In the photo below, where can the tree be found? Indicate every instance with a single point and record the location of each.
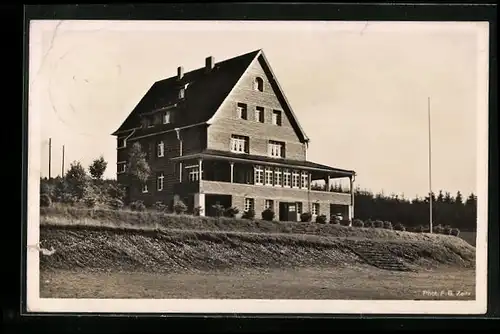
(98, 167)
(458, 198)
(447, 198)
(440, 197)
(76, 179)
(138, 167)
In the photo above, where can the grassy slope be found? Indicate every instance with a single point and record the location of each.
(63, 216)
(99, 239)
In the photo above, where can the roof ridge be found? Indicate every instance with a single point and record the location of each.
(216, 63)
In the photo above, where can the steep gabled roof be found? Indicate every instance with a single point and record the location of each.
(204, 95)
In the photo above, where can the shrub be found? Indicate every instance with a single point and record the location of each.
(358, 223)
(67, 198)
(455, 232)
(197, 210)
(219, 210)
(90, 201)
(378, 224)
(447, 230)
(334, 219)
(180, 207)
(345, 222)
(45, 200)
(137, 206)
(388, 225)
(46, 189)
(90, 196)
(399, 227)
(420, 229)
(160, 207)
(115, 190)
(321, 219)
(369, 223)
(115, 203)
(438, 229)
(305, 217)
(250, 214)
(268, 214)
(231, 212)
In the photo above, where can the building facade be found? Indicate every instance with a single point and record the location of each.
(226, 134)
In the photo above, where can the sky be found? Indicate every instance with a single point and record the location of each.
(360, 90)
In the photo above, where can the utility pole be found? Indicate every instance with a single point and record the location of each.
(62, 167)
(430, 165)
(50, 155)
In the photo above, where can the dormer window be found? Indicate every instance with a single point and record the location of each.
(258, 84)
(167, 117)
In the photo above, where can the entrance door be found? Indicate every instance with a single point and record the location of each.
(288, 212)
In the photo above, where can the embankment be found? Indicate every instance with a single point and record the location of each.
(90, 244)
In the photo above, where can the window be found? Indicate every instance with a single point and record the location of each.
(305, 180)
(258, 84)
(259, 175)
(122, 142)
(144, 187)
(299, 207)
(276, 149)
(241, 109)
(159, 183)
(161, 149)
(315, 209)
(286, 178)
(259, 114)
(193, 173)
(269, 204)
(295, 179)
(122, 167)
(277, 177)
(249, 205)
(269, 176)
(167, 117)
(150, 122)
(277, 117)
(181, 93)
(239, 144)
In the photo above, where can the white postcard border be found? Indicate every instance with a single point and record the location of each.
(37, 304)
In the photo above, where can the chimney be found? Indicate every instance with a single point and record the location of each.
(209, 63)
(180, 72)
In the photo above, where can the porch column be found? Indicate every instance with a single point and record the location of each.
(200, 171)
(180, 172)
(308, 190)
(351, 189)
(327, 183)
(199, 201)
(232, 171)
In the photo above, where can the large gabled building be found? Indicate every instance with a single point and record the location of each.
(226, 134)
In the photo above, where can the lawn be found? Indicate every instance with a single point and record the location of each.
(358, 282)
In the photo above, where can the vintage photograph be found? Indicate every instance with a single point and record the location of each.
(260, 167)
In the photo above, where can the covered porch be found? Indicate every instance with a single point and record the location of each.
(288, 178)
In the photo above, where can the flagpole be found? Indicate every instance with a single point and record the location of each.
(430, 164)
